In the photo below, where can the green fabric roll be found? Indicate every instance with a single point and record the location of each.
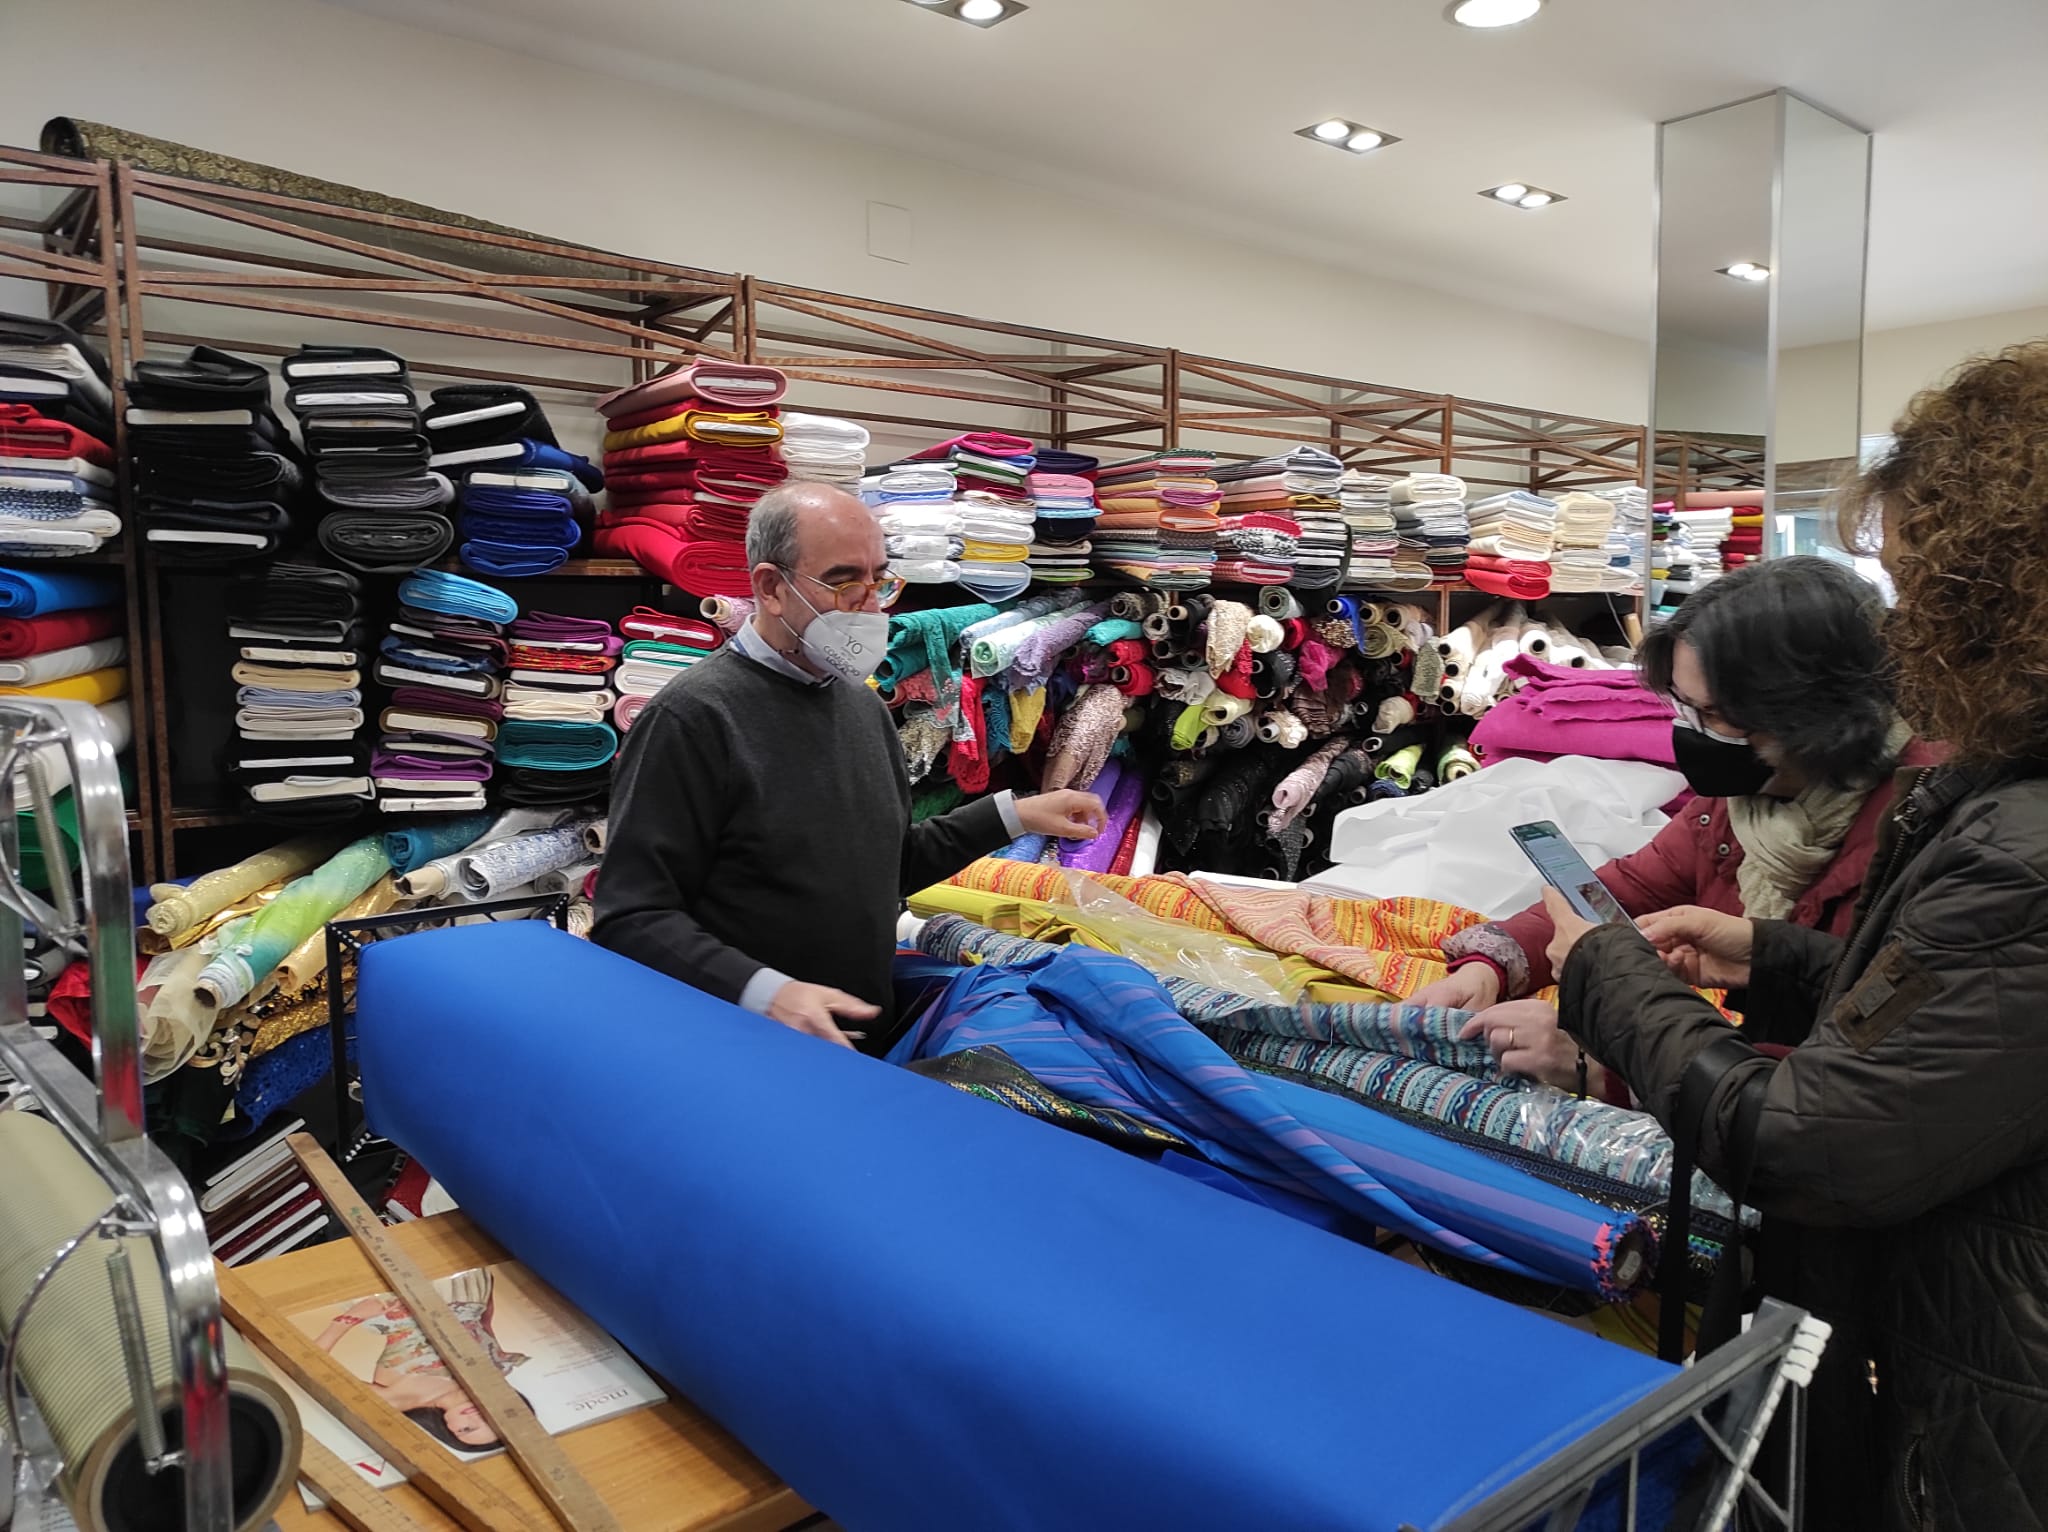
(992, 655)
(246, 950)
(920, 641)
(1399, 768)
(941, 797)
(1188, 727)
(1113, 630)
(655, 649)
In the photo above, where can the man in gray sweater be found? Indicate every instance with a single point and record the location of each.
(761, 841)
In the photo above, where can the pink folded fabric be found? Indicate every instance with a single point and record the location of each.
(988, 443)
(733, 384)
(1059, 484)
(1560, 711)
(626, 709)
(1715, 499)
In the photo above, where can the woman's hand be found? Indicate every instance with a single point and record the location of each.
(1568, 928)
(1471, 988)
(1525, 1037)
(1705, 948)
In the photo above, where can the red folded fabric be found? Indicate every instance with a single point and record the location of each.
(1517, 579)
(674, 512)
(682, 406)
(526, 657)
(646, 622)
(705, 378)
(701, 566)
(25, 433)
(21, 637)
(988, 443)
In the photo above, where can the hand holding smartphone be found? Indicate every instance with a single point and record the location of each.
(1561, 866)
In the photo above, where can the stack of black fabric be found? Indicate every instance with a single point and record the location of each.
(300, 757)
(380, 503)
(217, 478)
(53, 368)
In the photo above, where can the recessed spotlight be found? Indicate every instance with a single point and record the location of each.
(1341, 133)
(1487, 14)
(976, 13)
(1522, 195)
(1747, 271)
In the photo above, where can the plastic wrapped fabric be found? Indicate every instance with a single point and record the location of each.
(178, 910)
(783, 1264)
(489, 872)
(248, 950)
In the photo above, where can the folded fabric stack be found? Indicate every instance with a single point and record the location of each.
(360, 421)
(60, 639)
(1063, 506)
(525, 502)
(1578, 561)
(923, 528)
(299, 695)
(1732, 518)
(559, 684)
(1512, 537)
(996, 532)
(1681, 564)
(56, 467)
(1368, 508)
(441, 658)
(1159, 524)
(1628, 540)
(1430, 518)
(217, 477)
(658, 648)
(825, 450)
(1256, 548)
(1707, 530)
(1267, 504)
(1556, 711)
(686, 456)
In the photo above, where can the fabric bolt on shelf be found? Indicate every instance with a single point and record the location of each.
(36, 593)
(550, 788)
(731, 383)
(436, 590)
(511, 561)
(60, 664)
(385, 542)
(474, 414)
(94, 686)
(575, 746)
(781, 1250)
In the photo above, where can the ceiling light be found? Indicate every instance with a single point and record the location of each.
(1486, 14)
(976, 13)
(1520, 194)
(1342, 133)
(1747, 271)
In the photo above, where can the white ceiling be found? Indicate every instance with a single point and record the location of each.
(1179, 103)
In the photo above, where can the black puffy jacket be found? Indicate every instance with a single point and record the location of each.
(1899, 1153)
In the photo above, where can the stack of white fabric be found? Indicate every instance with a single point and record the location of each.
(1706, 531)
(921, 521)
(1367, 503)
(1578, 560)
(825, 449)
(1516, 525)
(996, 534)
(1628, 542)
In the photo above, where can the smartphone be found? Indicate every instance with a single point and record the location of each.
(1558, 860)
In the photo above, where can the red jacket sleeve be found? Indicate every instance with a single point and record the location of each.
(1660, 875)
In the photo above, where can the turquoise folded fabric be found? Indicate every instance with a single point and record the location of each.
(413, 848)
(556, 746)
(30, 593)
(435, 590)
(1113, 630)
(920, 641)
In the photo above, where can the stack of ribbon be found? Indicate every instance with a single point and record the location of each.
(825, 450)
(1158, 526)
(56, 469)
(920, 516)
(1063, 508)
(659, 647)
(360, 421)
(217, 477)
(441, 657)
(1512, 536)
(1368, 507)
(1578, 561)
(300, 698)
(687, 455)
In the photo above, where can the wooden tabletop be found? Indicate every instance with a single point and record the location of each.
(666, 1469)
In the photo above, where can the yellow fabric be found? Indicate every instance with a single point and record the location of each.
(95, 686)
(995, 553)
(1026, 708)
(701, 426)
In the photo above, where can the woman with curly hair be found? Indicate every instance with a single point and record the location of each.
(1900, 1154)
(1786, 733)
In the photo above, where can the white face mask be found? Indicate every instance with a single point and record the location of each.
(849, 645)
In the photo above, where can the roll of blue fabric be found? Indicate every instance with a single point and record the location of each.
(926, 1312)
(32, 592)
(556, 744)
(435, 590)
(411, 849)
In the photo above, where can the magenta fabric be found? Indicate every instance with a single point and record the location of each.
(1606, 714)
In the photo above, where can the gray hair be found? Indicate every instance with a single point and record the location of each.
(772, 526)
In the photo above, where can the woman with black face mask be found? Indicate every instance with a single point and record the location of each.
(1785, 730)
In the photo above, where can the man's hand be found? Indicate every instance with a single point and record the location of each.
(815, 1009)
(1067, 814)
(1705, 948)
(1471, 988)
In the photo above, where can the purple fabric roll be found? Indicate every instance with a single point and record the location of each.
(439, 768)
(1121, 787)
(559, 628)
(428, 699)
(1040, 654)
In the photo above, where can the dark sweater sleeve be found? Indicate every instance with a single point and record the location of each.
(942, 845)
(658, 855)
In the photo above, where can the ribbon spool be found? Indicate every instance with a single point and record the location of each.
(71, 1361)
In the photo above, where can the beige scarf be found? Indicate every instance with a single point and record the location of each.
(1787, 843)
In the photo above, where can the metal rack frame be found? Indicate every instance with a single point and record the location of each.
(149, 1198)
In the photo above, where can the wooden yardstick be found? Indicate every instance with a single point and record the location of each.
(568, 1495)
